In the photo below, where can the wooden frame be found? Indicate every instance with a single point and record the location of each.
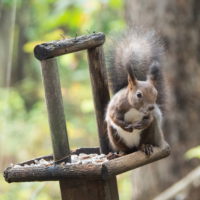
(76, 180)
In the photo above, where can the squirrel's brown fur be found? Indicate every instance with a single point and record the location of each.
(135, 78)
(137, 48)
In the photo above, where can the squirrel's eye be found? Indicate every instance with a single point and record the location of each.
(139, 95)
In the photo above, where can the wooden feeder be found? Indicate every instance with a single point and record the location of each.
(83, 181)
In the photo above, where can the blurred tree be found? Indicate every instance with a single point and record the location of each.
(20, 58)
(7, 22)
(178, 22)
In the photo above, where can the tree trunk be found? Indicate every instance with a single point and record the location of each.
(12, 39)
(5, 42)
(20, 58)
(178, 22)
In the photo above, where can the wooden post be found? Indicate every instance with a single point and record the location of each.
(56, 115)
(101, 98)
(55, 109)
(90, 189)
(80, 188)
(100, 93)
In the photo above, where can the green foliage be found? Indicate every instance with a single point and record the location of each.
(29, 191)
(19, 125)
(193, 153)
(7, 2)
(125, 186)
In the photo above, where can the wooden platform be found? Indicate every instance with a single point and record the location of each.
(80, 171)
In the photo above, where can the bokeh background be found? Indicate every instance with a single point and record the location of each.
(23, 117)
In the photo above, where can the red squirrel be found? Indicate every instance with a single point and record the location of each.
(134, 113)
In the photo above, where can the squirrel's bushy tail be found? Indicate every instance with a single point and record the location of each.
(137, 48)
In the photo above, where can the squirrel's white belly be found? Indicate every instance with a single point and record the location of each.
(131, 139)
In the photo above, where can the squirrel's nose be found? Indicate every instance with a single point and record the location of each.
(146, 117)
(151, 107)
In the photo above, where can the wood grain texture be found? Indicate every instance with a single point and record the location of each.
(90, 172)
(55, 109)
(134, 160)
(86, 150)
(60, 47)
(100, 93)
(53, 173)
(90, 190)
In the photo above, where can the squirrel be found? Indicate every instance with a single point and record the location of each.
(135, 112)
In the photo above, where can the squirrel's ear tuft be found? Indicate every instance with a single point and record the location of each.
(132, 81)
(154, 72)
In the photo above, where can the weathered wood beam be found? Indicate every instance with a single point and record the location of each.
(60, 47)
(86, 150)
(104, 171)
(134, 160)
(52, 173)
(100, 93)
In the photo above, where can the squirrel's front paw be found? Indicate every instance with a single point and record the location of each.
(140, 125)
(147, 149)
(129, 128)
(144, 123)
